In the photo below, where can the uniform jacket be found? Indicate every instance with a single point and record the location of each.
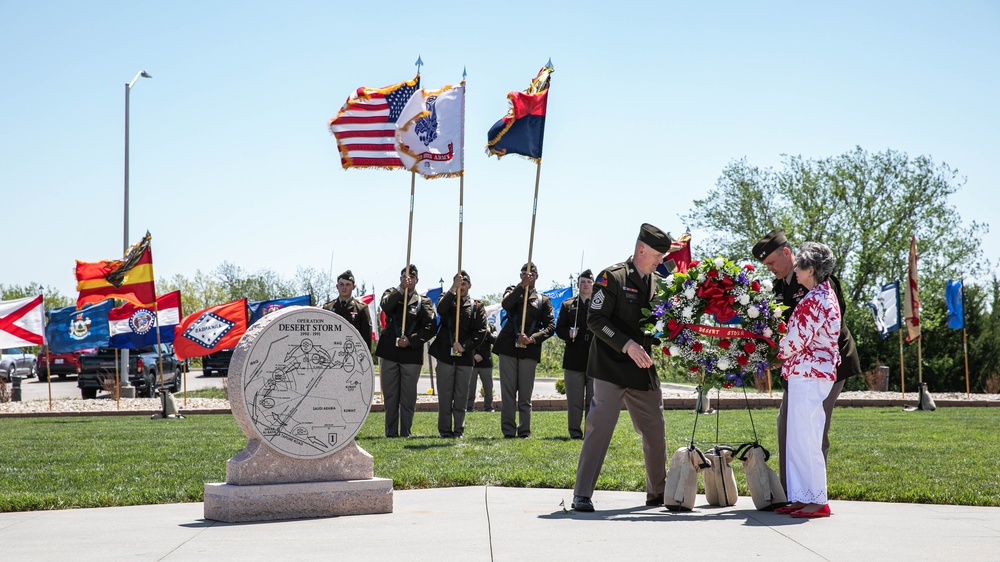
(540, 323)
(810, 349)
(790, 293)
(572, 314)
(355, 312)
(420, 327)
(620, 294)
(485, 349)
(471, 330)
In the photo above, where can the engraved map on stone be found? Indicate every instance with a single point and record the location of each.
(308, 383)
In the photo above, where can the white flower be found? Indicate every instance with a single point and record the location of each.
(670, 279)
(753, 312)
(744, 299)
(767, 285)
(719, 262)
(674, 350)
(689, 293)
(688, 312)
(777, 313)
(724, 363)
(768, 333)
(659, 326)
(701, 277)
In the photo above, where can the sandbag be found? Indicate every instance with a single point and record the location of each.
(763, 483)
(682, 478)
(720, 482)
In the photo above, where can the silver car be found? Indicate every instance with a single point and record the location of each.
(15, 361)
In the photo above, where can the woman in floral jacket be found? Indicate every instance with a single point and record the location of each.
(810, 357)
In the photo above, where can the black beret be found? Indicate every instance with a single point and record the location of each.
(587, 274)
(769, 243)
(465, 275)
(346, 275)
(524, 268)
(654, 238)
(413, 271)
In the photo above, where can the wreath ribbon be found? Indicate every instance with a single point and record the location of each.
(718, 332)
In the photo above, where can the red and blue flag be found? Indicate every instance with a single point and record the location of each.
(522, 130)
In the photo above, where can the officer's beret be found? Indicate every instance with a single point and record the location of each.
(654, 238)
(413, 271)
(465, 275)
(524, 268)
(769, 243)
(346, 275)
(587, 274)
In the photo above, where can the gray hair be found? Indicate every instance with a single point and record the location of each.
(817, 256)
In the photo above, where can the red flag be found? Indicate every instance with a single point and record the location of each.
(369, 301)
(680, 253)
(130, 278)
(210, 330)
(366, 126)
(22, 322)
(911, 308)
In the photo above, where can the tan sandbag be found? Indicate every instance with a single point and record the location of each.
(720, 482)
(763, 483)
(682, 478)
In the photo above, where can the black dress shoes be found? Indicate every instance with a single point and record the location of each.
(655, 502)
(583, 504)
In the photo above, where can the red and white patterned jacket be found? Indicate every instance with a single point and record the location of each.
(809, 349)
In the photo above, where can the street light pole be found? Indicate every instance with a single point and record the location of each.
(127, 391)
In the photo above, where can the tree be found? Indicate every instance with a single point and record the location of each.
(319, 284)
(51, 296)
(865, 207)
(265, 284)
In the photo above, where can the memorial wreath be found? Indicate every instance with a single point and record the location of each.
(718, 320)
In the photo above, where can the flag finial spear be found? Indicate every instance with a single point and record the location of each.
(464, 74)
(549, 64)
(418, 64)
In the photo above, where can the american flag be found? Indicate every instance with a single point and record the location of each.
(365, 127)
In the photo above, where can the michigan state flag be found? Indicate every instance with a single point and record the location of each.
(70, 329)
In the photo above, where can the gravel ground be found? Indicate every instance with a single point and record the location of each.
(77, 405)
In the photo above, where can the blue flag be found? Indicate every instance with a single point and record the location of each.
(886, 310)
(435, 296)
(557, 296)
(260, 309)
(953, 295)
(70, 329)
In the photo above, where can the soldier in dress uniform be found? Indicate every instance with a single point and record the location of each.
(777, 255)
(571, 327)
(483, 369)
(623, 370)
(355, 311)
(520, 352)
(455, 357)
(401, 353)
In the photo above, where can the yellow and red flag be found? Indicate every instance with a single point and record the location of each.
(129, 279)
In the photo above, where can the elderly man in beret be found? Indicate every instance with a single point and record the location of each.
(777, 255)
(353, 310)
(623, 370)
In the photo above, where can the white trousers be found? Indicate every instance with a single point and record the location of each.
(806, 466)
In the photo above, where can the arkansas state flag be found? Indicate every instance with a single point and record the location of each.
(130, 278)
(430, 133)
(209, 330)
(522, 130)
(134, 326)
(22, 322)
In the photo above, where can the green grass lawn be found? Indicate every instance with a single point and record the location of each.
(880, 454)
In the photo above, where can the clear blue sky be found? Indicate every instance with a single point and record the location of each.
(231, 158)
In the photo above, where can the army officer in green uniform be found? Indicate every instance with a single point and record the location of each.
(353, 310)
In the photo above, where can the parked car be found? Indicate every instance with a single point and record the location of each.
(143, 370)
(217, 362)
(61, 364)
(15, 361)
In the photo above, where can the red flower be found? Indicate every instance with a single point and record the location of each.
(713, 273)
(724, 344)
(742, 360)
(693, 369)
(666, 351)
(750, 347)
(749, 267)
(672, 324)
(728, 385)
(755, 286)
(782, 328)
(693, 264)
(696, 347)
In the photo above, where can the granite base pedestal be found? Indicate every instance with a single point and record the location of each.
(269, 502)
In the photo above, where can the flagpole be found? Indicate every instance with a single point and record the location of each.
(185, 371)
(902, 377)
(118, 384)
(576, 321)
(409, 242)
(458, 294)
(531, 242)
(48, 372)
(159, 357)
(965, 343)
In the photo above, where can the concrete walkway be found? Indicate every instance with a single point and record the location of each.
(515, 524)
